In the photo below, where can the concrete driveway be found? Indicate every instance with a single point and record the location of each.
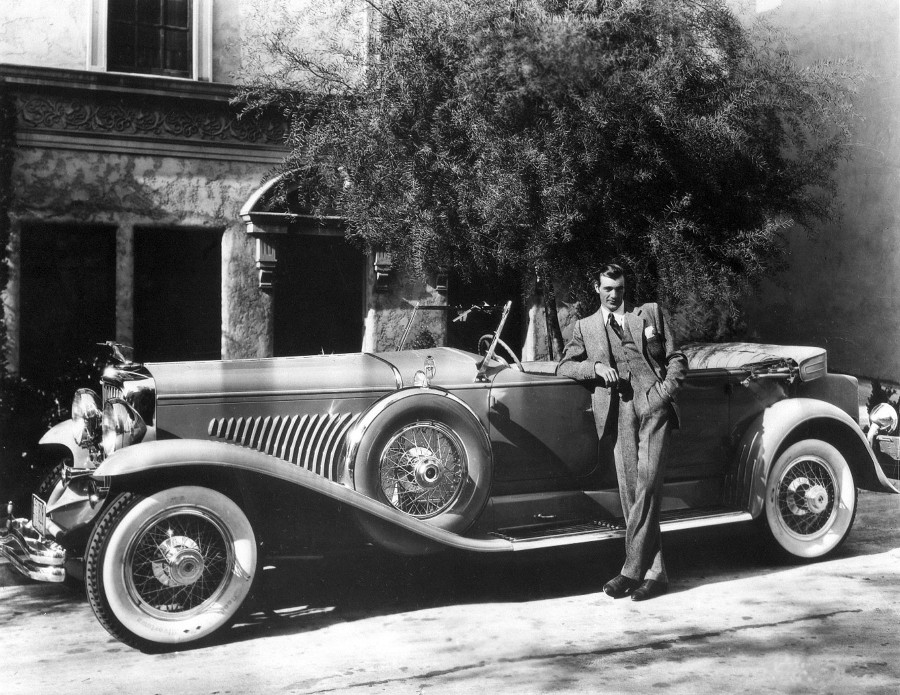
(735, 621)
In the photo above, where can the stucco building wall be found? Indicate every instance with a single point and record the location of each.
(133, 155)
(49, 33)
(128, 191)
(842, 287)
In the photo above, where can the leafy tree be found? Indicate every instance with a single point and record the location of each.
(551, 136)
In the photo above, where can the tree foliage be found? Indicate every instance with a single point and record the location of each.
(551, 137)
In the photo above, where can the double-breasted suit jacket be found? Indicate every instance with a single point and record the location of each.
(589, 344)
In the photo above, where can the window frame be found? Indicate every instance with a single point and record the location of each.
(200, 68)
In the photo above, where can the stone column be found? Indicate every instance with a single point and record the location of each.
(248, 329)
(125, 284)
(11, 297)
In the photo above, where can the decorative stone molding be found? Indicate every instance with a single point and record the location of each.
(213, 122)
(266, 261)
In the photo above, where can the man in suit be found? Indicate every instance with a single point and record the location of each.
(629, 357)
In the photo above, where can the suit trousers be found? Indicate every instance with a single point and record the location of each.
(641, 444)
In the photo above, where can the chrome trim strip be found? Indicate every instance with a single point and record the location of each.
(233, 395)
(604, 534)
(313, 442)
(316, 427)
(308, 427)
(295, 441)
(398, 379)
(313, 453)
(285, 436)
(281, 434)
(331, 444)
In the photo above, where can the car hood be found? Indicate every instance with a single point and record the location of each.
(314, 374)
(272, 376)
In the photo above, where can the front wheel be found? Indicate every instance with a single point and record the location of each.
(169, 568)
(810, 499)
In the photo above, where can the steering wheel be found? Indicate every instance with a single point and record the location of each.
(484, 342)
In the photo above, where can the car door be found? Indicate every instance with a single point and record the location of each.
(541, 428)
(700, 447)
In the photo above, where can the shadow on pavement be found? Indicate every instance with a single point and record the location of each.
(303, 596)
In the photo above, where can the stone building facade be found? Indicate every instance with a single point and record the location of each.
(135, 209)
(126, 175)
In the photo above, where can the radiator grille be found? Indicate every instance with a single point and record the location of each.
(315, 442)
(111, 391)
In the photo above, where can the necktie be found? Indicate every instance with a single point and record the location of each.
(617, 329)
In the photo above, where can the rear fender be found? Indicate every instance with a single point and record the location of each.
(162, 457)
(789, 421)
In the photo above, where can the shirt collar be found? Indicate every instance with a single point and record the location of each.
(620, 314)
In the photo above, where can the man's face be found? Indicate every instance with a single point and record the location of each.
(611, 291)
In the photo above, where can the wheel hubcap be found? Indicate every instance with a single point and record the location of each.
(817, 499)
(428, 472)
(806, 494)
(181, 563)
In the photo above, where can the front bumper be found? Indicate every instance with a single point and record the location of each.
(30, 553)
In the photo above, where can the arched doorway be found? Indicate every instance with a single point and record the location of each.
(318, 295)
(316, 279)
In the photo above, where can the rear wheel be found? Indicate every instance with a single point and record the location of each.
(170, 568)
(810, 499)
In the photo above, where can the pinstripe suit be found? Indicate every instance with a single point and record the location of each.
(638, 413)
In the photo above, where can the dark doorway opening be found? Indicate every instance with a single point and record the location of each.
(318, 296)
(496, 290)
(177, 294)
(68, 297)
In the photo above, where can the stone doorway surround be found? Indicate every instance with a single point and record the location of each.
(389, 298)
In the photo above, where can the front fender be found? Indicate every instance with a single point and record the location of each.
(790, 420)
(161, 456)
(60, 435)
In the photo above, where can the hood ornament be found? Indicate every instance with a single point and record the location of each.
(123, 354)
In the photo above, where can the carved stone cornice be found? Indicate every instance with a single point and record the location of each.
(131, 112)
(117, 115)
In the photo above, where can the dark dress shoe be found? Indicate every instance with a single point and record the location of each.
(649, 588)
(620, 586)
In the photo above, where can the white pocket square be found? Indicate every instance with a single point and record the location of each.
(649, 332)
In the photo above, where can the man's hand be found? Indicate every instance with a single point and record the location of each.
(606, 374)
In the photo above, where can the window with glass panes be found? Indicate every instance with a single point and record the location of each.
(149, 37)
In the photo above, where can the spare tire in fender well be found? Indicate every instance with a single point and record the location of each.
(425, 453)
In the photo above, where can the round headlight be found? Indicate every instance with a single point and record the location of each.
(86, 417)
(884, 417)
(122, 426)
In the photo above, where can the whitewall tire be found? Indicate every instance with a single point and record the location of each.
(170, 568)
(810, 499)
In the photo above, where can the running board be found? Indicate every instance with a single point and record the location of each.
(589, 532)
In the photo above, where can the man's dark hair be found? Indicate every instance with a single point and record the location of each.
(610, 270)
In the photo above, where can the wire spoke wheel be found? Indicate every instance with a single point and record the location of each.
(178, 562)
(422, 469)
(171, 567)
(806, 496)
(810, 499)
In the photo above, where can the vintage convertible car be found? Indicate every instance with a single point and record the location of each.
(183, 478)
